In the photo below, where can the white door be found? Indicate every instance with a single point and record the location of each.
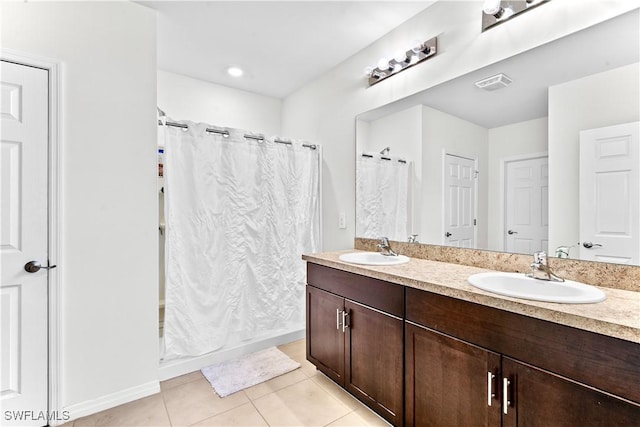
(526, 205)
(459, 201)
(609, 194)
(23, 238)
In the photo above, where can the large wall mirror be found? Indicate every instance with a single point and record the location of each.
(545, 157)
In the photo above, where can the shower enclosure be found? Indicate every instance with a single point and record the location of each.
(240, 210)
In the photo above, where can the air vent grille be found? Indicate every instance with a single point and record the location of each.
(494, 82)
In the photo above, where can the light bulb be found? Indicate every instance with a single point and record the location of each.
(400, 56)
(397, 67)
(507, 12)
(383, 64)
(491, 7)
(368, 71)
(417, 46)
(413, 59)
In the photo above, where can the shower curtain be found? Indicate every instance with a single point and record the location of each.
(382, 197)
(239, 215)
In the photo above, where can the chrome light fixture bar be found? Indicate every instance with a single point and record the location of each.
(495, 12)
(386, 67)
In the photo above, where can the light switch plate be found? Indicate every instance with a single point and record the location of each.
(342, 220)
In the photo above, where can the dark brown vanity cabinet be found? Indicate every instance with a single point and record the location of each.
(447, 381)
(472, 365)
(355, 336)
(541, 398)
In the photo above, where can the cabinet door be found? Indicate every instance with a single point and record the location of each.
(374, 360)
(540, 398)
(449, 382)
(325, 339)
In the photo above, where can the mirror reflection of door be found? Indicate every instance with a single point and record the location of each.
(526, 205)
(459, 201)
(609, 190)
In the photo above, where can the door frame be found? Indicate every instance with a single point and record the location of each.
(443, 223)
(54, 222)
(504, 161)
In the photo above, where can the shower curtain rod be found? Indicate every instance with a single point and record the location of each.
(225, 133)
(383, 158)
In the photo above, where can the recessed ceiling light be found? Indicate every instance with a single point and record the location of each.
(235, 71)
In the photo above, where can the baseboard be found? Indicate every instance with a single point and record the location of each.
(89, 407)
(175, 368)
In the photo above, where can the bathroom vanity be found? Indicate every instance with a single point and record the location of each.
(420, 346)
(355, 336)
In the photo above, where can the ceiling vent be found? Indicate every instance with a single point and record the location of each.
(494, 82)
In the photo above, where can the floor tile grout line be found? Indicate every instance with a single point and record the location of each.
(361, 404)
(281, 388)
(186, 382)
(258, 410)
(290, 385)
(164, 402)
(321, 388)
(225, 411)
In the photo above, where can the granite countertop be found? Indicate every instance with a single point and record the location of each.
(618, 316)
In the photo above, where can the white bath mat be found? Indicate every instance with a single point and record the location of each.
(234, 375)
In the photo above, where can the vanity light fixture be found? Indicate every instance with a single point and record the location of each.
(495, 12)
(401, 60)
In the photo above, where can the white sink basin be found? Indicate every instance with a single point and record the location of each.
(373, 258)
(519, 286)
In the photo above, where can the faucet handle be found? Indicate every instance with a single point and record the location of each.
(540, 257)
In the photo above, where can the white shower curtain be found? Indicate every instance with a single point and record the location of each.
(382, 198)
(239, 214)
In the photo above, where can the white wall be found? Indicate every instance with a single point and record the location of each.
(600, 100)
(185, 98)
(445, 133)
(109, 250)
(399, 131)
(507, 141)
(324, 111)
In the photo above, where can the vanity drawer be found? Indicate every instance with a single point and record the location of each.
(375, 293)
(607, 363)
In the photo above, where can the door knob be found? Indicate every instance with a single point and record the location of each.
(35, 266)
(512, 232)
(447, 234)
(590, 245)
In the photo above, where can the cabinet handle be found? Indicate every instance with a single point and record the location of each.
(344, 321)
(505, 394)
(338, 319)
(490, 393)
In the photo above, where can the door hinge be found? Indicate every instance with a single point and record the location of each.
(475, 222)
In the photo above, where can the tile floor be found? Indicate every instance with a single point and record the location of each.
(303, 397)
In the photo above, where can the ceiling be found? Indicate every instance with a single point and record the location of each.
(280, 45)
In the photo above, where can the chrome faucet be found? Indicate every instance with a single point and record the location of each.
(563, 251)
(413, 238)
(540, 268)
(385, 247)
